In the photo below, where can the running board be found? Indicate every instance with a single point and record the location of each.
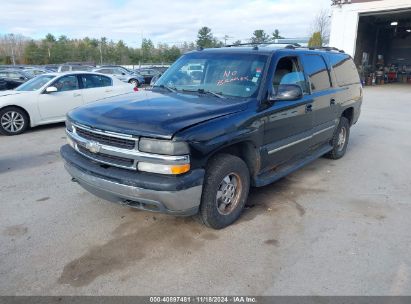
(270, 177)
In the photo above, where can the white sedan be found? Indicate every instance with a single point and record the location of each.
(47, 98)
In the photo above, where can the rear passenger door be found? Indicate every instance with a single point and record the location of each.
(323, 96)
(95, 87)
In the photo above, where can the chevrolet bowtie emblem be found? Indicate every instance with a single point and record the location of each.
(93, 147)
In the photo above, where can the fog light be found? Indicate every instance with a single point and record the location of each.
(163, 169)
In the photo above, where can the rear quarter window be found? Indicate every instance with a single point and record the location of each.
(346, 72)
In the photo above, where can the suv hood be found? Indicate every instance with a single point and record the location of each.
(151, 114)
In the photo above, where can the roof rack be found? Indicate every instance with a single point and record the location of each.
(325, 48)
(288, 46)
(256, 44)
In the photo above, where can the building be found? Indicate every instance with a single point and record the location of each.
(376, 33)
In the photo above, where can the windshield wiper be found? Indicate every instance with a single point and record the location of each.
(219, 95)
(202, 91)
(165, 87)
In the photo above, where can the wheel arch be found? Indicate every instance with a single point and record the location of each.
(19, 107)
(349, 114)
(246, 150)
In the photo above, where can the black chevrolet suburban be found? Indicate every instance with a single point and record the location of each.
(196, 141)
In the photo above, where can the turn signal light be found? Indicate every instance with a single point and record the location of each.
(180, 169)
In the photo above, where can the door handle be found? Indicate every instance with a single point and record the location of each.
(309, 108)
(332, 102)
(76, 95)
(108, 90)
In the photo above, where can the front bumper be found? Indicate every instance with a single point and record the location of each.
(166, 194)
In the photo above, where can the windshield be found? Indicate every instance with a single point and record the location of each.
(35, 83)
(228, 74)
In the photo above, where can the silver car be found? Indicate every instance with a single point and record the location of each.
(122, 74)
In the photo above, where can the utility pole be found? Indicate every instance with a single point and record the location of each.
(226, 37)
(101, 52)
(12, 49)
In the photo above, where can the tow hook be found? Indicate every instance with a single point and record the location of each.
(74, 180)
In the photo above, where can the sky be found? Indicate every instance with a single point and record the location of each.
(165, 21)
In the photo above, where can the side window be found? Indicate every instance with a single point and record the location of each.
(345, 70)
(66, 83)
(65, 68)
(288, 71)
(106, 81)
(94, 81)
(317, 72)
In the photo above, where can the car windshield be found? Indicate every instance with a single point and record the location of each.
(224, 74)
(35, 83)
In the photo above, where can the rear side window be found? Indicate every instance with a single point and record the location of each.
(346, 72)
(95, 81)
(317, 71)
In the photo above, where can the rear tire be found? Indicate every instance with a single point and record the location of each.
(340, 139)
(225, 191)
(13, 121)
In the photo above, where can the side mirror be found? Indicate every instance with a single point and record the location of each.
(22, 78)
(51, 89)
(288, 92)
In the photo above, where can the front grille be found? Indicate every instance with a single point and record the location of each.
(109, 159)
(106, 139)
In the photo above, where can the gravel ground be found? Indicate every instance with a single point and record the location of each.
(333, 228)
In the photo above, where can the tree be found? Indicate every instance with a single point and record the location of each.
(315, 40)
(147, 50)
(205, 38)
(33, 54)
(276, 35)
(321, 24)
(259, 36)
(238, 42)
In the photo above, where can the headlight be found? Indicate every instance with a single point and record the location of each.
(166, 147)
(163, 169)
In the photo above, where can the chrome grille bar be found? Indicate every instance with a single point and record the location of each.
(136, 156)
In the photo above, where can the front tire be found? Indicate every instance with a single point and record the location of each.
(13, 121)
(225, 191)
(340, 139)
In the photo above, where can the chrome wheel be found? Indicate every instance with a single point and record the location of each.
(134, 82)
(342, 137)
(228, 194)
(12, 121)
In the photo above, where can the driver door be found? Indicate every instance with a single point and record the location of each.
(55, 105)
(288, 124)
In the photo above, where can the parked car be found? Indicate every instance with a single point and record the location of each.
(14, 77)
(123, 74)
(74, 67)
(195, 145)
(33, 72)
(148, 74)
(48, 97)
(161, 69)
